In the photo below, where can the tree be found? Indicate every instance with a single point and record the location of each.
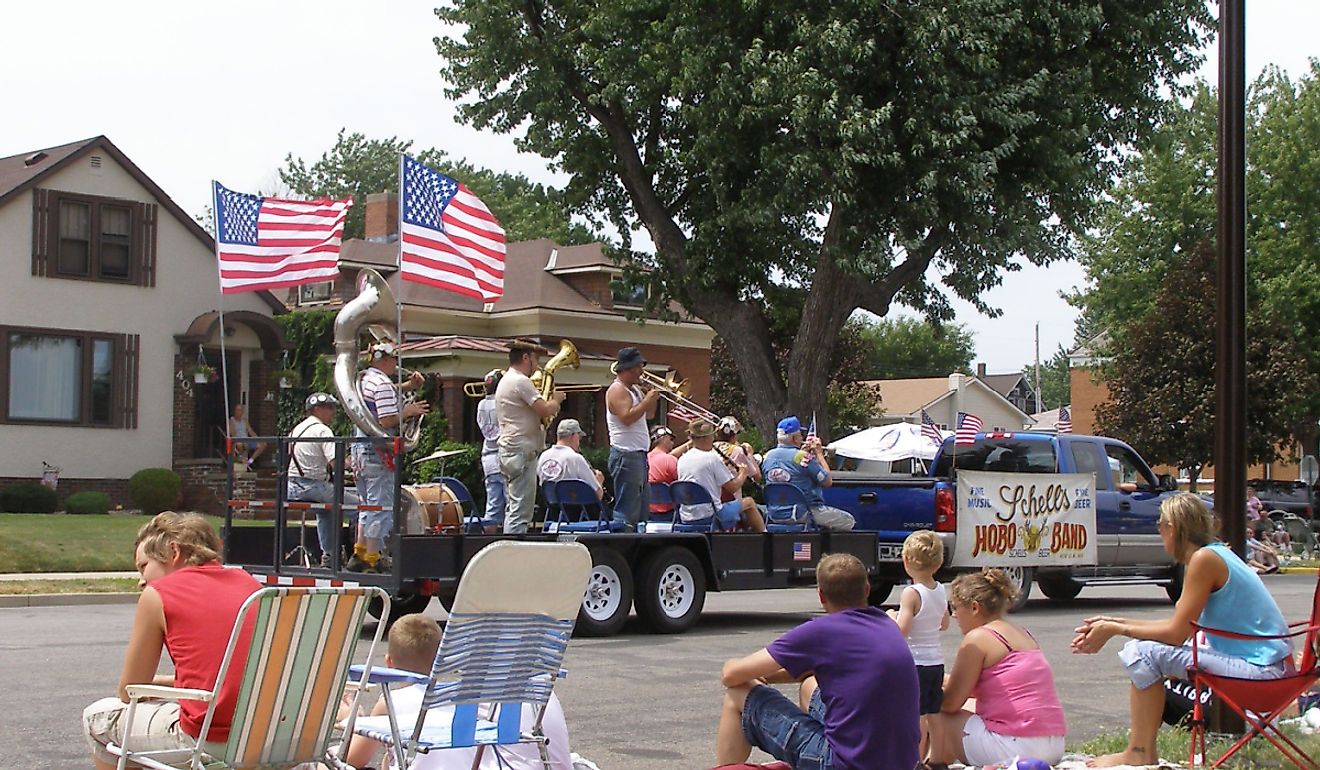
(1055, 379)
(852, 154)
(357, 167)
(1162, 383)
(901, 348)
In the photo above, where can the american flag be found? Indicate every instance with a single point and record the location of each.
(968, 426)
(802, 551)
(929, 429)
(677, 412)
(1063, 424)
(270, 243)
(448, 238)
(811, 429)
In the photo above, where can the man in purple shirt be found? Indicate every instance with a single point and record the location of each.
(858, 694)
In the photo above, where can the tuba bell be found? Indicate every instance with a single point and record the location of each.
(543, 379)
(375, 310)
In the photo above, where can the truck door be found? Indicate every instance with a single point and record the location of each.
(1087, 457)
(1137, 498)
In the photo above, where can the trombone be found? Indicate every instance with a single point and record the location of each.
(676, 392)
(478, 389)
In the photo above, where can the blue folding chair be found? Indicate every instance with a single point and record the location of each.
(692, 493)
(797, 517)
(552, 511)
(661, 495)
(473, 521)
(580, 510)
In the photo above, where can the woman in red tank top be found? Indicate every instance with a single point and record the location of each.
(188, 606)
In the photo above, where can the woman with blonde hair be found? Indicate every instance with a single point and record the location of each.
(999, 663)
(1219, 591)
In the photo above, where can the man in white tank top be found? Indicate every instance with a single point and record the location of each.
(627, 410)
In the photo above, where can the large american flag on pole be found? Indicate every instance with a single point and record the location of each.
(968, 426)
(448, 238)
(270, 243)
(929, 429)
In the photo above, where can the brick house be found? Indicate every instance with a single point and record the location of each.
(110, 297)
(552, 293)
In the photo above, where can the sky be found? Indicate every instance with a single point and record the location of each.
(199, 91)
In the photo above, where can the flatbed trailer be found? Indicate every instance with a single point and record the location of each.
(665, 575)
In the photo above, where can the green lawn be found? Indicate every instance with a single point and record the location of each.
(52, 542)
(79, 586)
(1174, 743)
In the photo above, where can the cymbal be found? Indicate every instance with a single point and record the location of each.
(440, 455)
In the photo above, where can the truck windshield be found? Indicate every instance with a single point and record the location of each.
(1001, 455)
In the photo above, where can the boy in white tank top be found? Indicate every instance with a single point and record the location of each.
(923, 612)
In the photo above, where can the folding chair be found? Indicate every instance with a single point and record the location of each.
(578, 497)
(658, 520)
(1259, 702)
(782, 495)
(298, 652)
(692, 493)
(503, 644)
(472, 518)
(551, 505)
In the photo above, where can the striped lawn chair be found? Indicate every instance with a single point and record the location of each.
(502, 649)
(302, 644)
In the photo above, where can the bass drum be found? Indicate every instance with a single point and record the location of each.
(431, 509)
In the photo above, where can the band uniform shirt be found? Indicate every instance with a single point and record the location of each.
(490, 435)
(784, 465)
(519, 426)
(628, 438)
(380, 394)
(563, 463)
(707, 469)
(310, 459)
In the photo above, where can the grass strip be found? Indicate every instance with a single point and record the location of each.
(1173, 744)
(77, 586)
(57, 542)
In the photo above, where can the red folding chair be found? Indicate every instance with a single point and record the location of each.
(1259, 702)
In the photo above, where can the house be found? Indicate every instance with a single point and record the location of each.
(110, 298)
(943, 397)
(1014, 386)
(551, 293)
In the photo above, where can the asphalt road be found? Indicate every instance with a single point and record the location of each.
(634, 701)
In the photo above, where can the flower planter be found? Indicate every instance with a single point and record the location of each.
(201, 378)
(285, 383)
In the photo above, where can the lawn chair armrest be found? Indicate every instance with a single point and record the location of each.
(1251, 637)
(383, 675)
(139, 691)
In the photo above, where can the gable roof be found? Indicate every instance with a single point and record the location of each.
(20, 173)
(1003, 384)
(909, 396)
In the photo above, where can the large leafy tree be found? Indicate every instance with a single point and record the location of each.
(357, 166)
(1055, 382)
(857, 152)
(898, 348)
(1162, 382)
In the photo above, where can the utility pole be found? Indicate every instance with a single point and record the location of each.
(1038, 409)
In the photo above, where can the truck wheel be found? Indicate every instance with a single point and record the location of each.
(1174, 588)
(1060, 589)
(609, 594)
(671, 591)
(880, 591)
(404, 604)
(1021, 578)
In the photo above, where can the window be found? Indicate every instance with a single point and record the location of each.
(1001, 455)
(628, 297)
(68, 377)
(1126, 468)
(93, 238)
(315, 292)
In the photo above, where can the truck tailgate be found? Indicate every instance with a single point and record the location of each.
(891, 505)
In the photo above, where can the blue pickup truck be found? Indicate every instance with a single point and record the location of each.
(1128, 497)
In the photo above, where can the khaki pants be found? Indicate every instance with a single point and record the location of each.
(155, 728)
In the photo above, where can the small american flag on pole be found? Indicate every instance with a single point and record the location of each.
(929, 429)
(271, 243)
(968, 426)
(677, 412)
(448, 238)
(1063, 424)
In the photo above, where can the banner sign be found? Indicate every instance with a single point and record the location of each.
(1025, 519)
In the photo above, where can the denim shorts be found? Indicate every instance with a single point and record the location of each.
(930, 685)
(1148, 663)
(375, 485)
(776, 725)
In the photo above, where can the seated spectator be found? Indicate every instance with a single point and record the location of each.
(857, 703)
(1219, 591)
(311, 469)
(999, 663)
(662, 462)
(413, 641)
(1261, 556)
(240, 428)
(1282, 539)
(704, 466)
(803, 464)
(564, 460)
(726, 440)
(189, 604)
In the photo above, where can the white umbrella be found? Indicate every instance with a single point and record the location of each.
(887, 443)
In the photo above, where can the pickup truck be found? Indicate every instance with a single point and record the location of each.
(1128, 497)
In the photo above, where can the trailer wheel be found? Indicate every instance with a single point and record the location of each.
(1021, 578)
(1060, 589)
(880, 591)
(404, 604)
(671, 591)
(609, 594)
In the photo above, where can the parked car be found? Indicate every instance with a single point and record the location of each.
(1294, 497)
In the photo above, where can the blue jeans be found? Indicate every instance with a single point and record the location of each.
(313, 491)
(495, 497)
(375, 485)
(774, 724)
(632, 493)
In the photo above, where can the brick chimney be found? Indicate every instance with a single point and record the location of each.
(980, 368)
(382, 218)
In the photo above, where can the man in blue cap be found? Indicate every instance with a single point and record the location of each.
(804, 466)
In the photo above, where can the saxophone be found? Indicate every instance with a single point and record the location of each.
(544, 378)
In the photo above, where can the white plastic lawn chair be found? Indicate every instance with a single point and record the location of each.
(503, 644)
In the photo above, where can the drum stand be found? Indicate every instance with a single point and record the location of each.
(304, 555)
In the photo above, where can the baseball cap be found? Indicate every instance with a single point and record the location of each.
(569, 427)
(319, 399)
(790, 425)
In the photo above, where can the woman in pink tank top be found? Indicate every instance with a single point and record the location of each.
(1016, 710)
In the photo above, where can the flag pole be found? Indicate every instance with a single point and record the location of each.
(398, 306)
(220, 285)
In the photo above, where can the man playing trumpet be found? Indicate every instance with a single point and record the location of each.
(626, 415)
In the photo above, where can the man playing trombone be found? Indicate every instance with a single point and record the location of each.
(627, 410)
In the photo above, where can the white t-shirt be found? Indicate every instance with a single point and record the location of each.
(311, 458)
(706, 468)
(628, 438)
(524, 756)
(560, 463)
(924, 633)
(490, 434)
(520, 428)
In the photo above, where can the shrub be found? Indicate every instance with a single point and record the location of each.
(28, 498)
(87, 502)
(154, 489)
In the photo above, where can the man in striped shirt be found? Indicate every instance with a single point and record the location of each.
(374, 464)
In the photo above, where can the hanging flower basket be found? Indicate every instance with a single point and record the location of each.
(202, 374)
(287, 378)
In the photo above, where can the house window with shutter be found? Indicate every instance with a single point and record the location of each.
(93, 238)
(66, 377)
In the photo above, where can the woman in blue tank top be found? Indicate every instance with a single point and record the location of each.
(1219, 591)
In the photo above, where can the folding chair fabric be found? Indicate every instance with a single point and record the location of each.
(579, 496)
(692, 493)
(782, 495)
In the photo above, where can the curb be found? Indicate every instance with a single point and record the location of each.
(66, 600)
(1298, 570)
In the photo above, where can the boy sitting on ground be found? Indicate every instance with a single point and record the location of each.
(923, 612)
(857, 707)
(413, 641)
